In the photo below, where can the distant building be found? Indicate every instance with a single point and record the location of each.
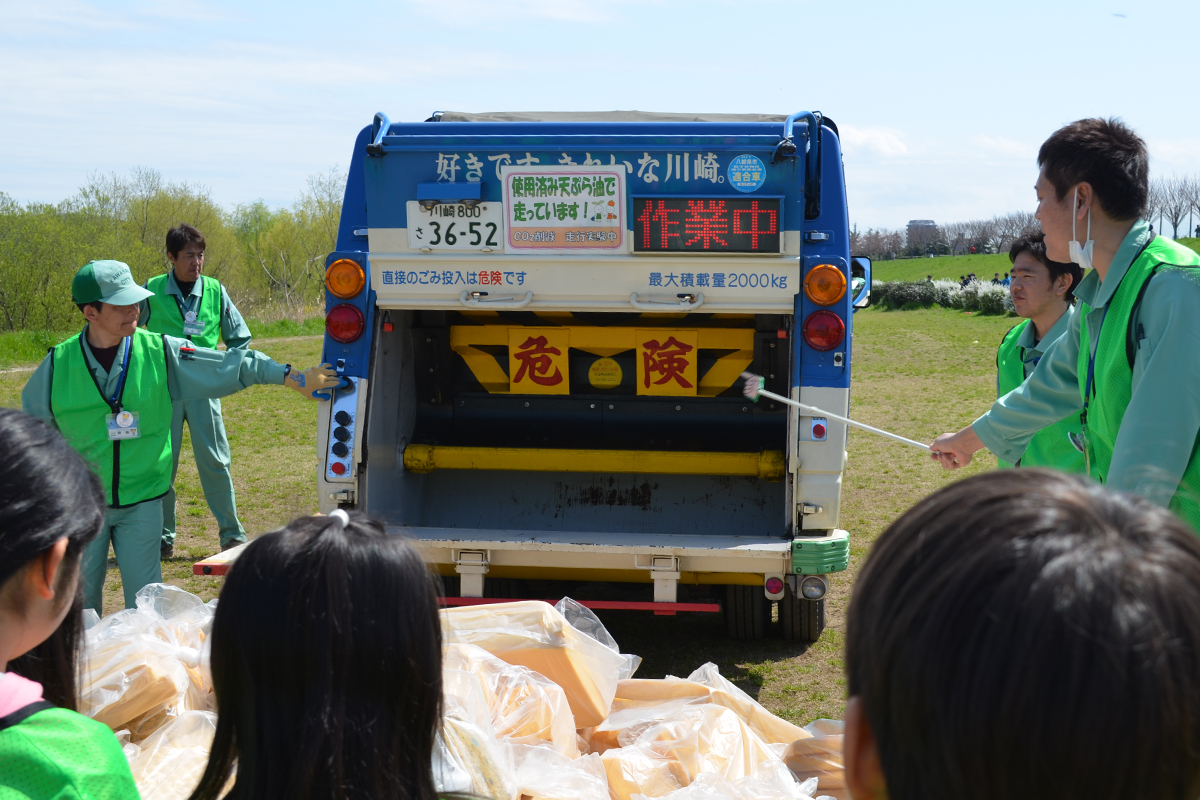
(921, 234)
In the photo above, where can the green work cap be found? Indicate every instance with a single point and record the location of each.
(107, 281)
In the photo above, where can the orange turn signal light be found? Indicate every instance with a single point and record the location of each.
(345, 278)
(825, 284)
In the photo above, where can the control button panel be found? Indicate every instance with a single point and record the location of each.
(820, 429)
(342, 422)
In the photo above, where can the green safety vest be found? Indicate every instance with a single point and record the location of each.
(132, 470)
(1050, 446)
(166, 311)
(53, 753)
(1113, 382)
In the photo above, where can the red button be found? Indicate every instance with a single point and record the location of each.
(338, 468)
(818, 431)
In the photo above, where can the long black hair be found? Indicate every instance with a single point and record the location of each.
(1028, 633)
(327, 667)
(47, 493)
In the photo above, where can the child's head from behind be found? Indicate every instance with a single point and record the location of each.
(1026, 633)
(51, 507)
(326, 662)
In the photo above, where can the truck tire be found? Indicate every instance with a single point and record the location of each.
(746, 612)
(802, 620)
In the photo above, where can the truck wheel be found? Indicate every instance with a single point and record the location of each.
(504, 588)
(746, 612)
(802, 620)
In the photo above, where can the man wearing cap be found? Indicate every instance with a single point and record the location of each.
(196, 307)
(109, 390)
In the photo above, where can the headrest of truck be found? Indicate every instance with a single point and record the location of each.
(600, 116)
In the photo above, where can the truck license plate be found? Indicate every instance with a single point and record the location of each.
(456, 226)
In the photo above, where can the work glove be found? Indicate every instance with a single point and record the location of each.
(315, 383)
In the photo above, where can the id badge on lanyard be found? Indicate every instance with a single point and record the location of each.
(122, 423)
(192, 326)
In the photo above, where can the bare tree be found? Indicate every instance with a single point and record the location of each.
(1155, 203)
(1174, 198)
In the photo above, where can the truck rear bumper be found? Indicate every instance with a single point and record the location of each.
(662, 559)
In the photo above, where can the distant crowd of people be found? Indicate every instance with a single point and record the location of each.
(966, 280)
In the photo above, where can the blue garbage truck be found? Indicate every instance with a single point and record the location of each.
(544, 318)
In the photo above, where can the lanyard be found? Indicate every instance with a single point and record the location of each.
(179, 302)
(115, 402)
(1091, 374)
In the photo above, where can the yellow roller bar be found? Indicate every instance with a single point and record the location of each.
(426, 458)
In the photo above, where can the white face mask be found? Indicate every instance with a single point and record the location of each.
(1081, 255)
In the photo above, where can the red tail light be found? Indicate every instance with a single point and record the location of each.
(823, 330)
(344, 323)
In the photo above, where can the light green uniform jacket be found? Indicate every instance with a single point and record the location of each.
(136, 532)
(1159, 431)
(210, 445)
(1019, 354)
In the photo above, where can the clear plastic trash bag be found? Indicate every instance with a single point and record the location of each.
(536, 635)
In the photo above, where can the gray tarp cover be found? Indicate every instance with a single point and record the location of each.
(603, 116)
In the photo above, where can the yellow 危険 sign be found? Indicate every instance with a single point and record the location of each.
(666, 362)
(537, 361)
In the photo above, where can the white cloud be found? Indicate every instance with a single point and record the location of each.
(23, 19)
(875, 139)
(189, 10)
(560, 10)
(998, 145)
(1175, 155)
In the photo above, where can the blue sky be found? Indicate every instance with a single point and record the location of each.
(941, 105)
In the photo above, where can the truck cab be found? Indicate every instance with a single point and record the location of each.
(544, 320)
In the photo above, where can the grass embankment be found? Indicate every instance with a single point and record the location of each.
(948, 267)
(952, 267)
(918, 373)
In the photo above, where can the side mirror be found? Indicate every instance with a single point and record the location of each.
(860, 281)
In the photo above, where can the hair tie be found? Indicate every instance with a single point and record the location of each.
(341, 516)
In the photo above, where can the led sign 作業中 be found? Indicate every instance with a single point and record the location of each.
(706, 225)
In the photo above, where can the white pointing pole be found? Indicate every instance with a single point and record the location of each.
(753, 389)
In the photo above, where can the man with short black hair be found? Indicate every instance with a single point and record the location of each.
(109, 389)
(188, 304)
(1129, 363)
(1042, 294)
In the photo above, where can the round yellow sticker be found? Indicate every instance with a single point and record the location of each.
(604, 373)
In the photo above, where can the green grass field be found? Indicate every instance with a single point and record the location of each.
(918, 373)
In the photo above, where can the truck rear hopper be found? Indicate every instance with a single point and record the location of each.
(493, 483)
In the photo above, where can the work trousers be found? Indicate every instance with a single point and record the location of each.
(135, 534)
(211, 449)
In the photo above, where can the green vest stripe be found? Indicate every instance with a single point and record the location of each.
(165, 316)
(1113, 383)
(1050, 446)
(132, 470)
